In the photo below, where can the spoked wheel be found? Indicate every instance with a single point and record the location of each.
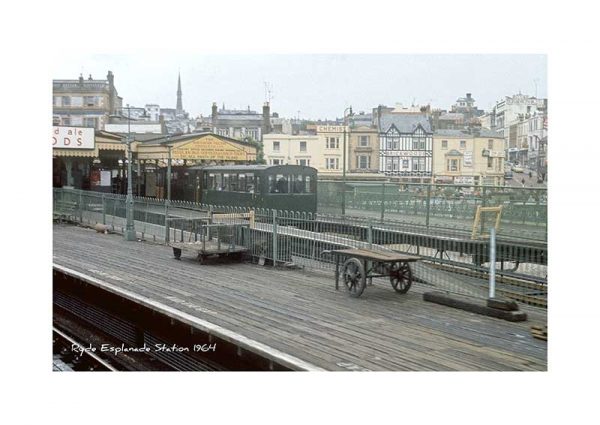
(354, 277)
(401, 277)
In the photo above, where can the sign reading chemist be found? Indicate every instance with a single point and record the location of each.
(212, 148)
(73, 138)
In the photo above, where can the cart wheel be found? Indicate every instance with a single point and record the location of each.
(401, 277)
(177, 253)
(353, 275)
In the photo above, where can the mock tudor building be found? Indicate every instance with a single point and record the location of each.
(405, 146)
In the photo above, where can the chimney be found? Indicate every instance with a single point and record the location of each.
(80, 78)
(468, 96)
(266, 118)
(214, 114)
(111, 92)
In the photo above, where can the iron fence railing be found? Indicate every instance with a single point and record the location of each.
(453, 259)
(454, 206)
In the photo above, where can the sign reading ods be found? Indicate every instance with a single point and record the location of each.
(73, 138)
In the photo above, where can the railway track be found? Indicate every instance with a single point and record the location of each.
(72, 355)
(518, 289)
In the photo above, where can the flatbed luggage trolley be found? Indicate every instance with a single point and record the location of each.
(362, 264)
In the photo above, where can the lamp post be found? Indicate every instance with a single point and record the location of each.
(344, 161)
(129, 227)
(168, 198)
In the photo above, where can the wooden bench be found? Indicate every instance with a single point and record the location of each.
(362, 264)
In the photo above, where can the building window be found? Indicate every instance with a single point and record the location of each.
(277, 162)
(66, 101)
(363, 141)
(332, 142)
(452, 165)
(276, 146)
(418, 143)
(333, 163)
(90, 100)
(305, 162)
(89, 122)
(302, 146)
(490, 163)
(418, 164)
(66, 121)
(405, 163)
(463, 144)
(444, 144)
(363, 161)
(490, 144)
(388, 164)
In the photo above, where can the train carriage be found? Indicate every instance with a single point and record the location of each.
(282, 187)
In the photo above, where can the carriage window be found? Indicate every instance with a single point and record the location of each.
(298, 185)
(249, 183)
(226, 187)
(271, 184)
(281, 184)
(218, 182)
(308, 186)
(234, 185)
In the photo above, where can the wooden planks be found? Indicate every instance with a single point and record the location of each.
(375, 255)
(299, 313)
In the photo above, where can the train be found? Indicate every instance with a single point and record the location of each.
(281, 187)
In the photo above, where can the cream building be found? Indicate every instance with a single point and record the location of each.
(284, 149)
(331, 149)
(363, 150)
(473, 157)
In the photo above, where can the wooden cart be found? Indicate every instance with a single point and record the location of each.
(362, 264)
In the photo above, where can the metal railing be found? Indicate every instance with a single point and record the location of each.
(452, 259)
(449, 206)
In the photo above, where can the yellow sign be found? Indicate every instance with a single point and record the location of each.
(209, 147)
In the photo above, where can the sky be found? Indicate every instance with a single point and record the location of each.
(310, 86)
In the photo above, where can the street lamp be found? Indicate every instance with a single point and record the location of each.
(344, 161)
(129, 227)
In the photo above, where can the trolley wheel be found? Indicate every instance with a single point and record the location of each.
(401, 277)
(354, 277)
(177, 253)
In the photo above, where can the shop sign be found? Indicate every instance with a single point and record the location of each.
(213, 149)
(466, 180)
(468, 159)
(331, 128)
(73, 137)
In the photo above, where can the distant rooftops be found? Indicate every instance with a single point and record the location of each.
(405, 123)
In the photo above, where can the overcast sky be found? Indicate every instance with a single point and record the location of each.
(311, 86)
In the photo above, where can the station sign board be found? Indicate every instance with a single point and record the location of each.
(73, 137)
(211, 148)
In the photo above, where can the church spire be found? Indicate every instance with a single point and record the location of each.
(179, 108)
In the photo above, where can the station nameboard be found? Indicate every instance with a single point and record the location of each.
(209, 147)
(72, 137)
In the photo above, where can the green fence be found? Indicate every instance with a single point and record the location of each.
(524, 210)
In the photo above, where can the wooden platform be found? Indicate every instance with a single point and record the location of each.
(300, 313)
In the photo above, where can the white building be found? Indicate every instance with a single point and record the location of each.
(287, 149)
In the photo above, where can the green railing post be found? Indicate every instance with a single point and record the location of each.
(274, 237)
(382, 201)
(80, 207)
(103, 210)
(428, 205)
